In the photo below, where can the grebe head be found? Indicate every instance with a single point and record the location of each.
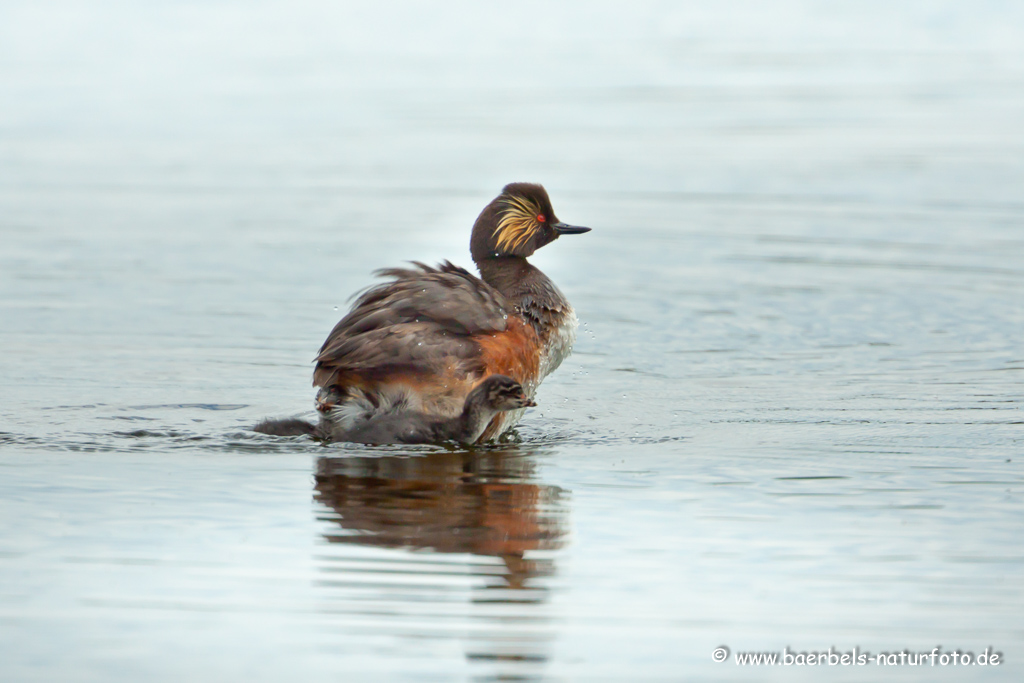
(500, 392)
(517, 222)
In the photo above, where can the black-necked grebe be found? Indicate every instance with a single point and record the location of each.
(427, 337)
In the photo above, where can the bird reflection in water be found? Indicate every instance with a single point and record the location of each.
(484, 503)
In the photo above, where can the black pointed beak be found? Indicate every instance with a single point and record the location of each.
(563, 229)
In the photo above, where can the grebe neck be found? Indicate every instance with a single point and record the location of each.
(473, 420)
(521, 282)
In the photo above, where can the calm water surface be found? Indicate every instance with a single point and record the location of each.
(794, 413)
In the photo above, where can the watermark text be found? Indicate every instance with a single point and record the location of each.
(833, 656)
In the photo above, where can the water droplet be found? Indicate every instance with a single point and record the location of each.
(335, 308)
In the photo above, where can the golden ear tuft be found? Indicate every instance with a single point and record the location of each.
(517, 223)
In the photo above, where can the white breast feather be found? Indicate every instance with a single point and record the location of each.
(559, 343)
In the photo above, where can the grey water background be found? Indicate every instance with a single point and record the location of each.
(793, 417)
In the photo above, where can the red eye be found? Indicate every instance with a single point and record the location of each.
(541, 218)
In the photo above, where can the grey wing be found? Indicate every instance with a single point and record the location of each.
(420, 320)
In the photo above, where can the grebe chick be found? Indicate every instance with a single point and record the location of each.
(495, 394)
(431, 334)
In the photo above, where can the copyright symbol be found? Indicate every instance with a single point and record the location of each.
(720, 654)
